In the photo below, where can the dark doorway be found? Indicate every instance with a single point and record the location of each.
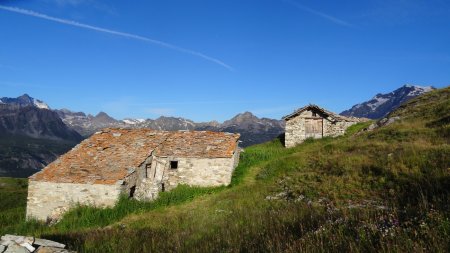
(163, 188)
(132, 190)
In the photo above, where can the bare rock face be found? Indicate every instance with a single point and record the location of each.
(31, 136)
(34, 122)
(27, 244)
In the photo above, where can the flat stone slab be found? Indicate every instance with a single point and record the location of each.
(2, 248)
(48, 243)
(28, 246)
(5, 243)
(16, 248)
(18, 239)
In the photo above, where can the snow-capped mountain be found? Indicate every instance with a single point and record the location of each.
(40, 104)
(24, 100)
(382, 104)
(133, 121)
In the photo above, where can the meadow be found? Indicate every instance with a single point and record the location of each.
(386, 190)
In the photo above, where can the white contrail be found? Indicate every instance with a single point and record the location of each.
(127, 35)
(318, 13)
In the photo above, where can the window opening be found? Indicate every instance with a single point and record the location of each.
(174, 165)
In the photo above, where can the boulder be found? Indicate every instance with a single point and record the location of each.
(383, 122)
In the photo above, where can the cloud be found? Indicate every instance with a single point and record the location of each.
(104, 7)
(117, 33)
(318, 13)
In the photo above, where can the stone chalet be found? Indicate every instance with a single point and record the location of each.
(313, 121)
(137, 162)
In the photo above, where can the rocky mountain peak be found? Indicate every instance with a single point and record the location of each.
(102, 115)
(241, 118)
(24, 100)
(381, 104)
(104, 118)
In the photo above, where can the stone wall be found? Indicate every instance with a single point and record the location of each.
(47, 200)
(295, 128)
(191, 171)
(201, 171)
(336, 128)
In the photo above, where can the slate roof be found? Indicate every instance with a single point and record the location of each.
(199, 144)
(113, 154)
(332, 115)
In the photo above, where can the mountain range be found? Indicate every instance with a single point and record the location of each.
(253, 130)
(33, 135)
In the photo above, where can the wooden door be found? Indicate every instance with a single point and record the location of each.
(314, 128)
(159, 172)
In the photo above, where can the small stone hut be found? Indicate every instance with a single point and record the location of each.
(313, 121)
(137, 162)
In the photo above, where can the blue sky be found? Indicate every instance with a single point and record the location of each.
(209, 60)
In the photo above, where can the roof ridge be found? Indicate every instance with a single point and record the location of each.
(323, 110)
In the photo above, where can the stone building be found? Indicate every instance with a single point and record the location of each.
(137, 162)
(313, 121)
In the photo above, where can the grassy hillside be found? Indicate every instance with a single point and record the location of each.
(384, 190)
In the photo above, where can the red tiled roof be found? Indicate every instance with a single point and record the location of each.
(113, 154)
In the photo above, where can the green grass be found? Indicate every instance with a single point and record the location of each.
(13, 194)
(380, 191)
